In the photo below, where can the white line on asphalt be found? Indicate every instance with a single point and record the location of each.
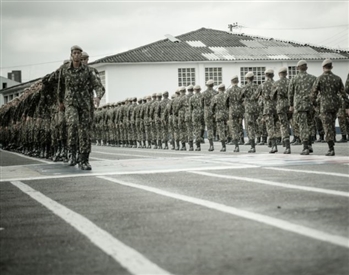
(284, 225)
(129, 258)
(2, 228)
(160, 151)
(309, 172)
(118, 154)
(27, 157)
(90, 174)
(278, 184)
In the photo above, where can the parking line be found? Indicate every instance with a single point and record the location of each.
(308, 171)
(129, 258)
(281, 224)
(278, 184)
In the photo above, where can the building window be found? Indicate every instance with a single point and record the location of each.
(292, 71)
(258, 72)
(4, 85)
(186, 76)
(215, 74)
(10, 97)
(6, 99)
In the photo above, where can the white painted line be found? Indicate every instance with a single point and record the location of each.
(118, 154)
(1, 228)
(27, 157)
(90, 174)
(278, 184)
(281, 224)
(308, 172)
(160, 151)
(129, 258)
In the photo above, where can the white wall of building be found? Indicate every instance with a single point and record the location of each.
(141, 79)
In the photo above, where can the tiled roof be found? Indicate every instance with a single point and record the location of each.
(208, 44)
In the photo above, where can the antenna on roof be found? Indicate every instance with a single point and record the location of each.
(172, 38)
(233, 26)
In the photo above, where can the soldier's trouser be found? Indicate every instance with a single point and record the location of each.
(235, 125)
(190, 129)
(318, 125)
(270, 122)
(251, 125)
(159, 131)
(78, 128)
(153, 129)
(182, 128)
(329, 122)
(148, 132)
(294, 125)
(343, 122)
(175, 128)
(198, 126)
(210, 126)
(284, 125)
(304, 120)
(165, 132)
(221, 127)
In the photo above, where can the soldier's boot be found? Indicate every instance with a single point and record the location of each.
(236, 149)
(224, 149)
(177, 145)
(166, 145)
(135, 144)
(258, 141)
(330, 148)
(248, 142)
(198, 146)
(310, 142)
(184, 148)
(211, 145)
(269, 143)
(85, 165)
(173, 144)
(149, 144)
(343, 139)
(191, 145)
(274, 147)
(159, 144)
(288, 146)
(155, 144)
(253, 147)
(305, 148)
(72, 157)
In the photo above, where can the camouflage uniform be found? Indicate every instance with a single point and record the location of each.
(175, 109)
(182, 127)
(188, 121)
(196, 109)
(207, 95)
(343, 119)
(219, 109)
(157, 121)
(164, 121)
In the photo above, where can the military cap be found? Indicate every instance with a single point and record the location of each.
(197, 87)
(234, 77)
(84, 54)
(249, 74)
(135, 99)
(190, 87)
(177, 91)
(145, 98)
(326, 61)
(301, 62)
(182, 88)
(154, 95)
(269, 71)
(173, 96)
(159, 94)
(149, 96)
(75, 47)
(221, 86)
(165, 93)
(283, 70)
(140, 99)
(210, 82)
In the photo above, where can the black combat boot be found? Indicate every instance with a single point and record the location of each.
(269, 142)
(191, 145)
(173, 145)
(330, 148)
(288, 146)
(236, 149)
(166, 145)
(149, 144)
(223, 146)
(211, 145)
(184, 148)
(253, 147)
(159, 144)
(72, 157)
(198, 146)
(274, 147)
(177, 145)
(85, 165)
(305, 148)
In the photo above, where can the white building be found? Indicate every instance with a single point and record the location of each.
(4, 84)
(197, 56)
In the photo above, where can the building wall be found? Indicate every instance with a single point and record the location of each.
(138, 80)
(8, 83)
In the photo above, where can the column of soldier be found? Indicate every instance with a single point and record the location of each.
(268, 110)
(33, 125)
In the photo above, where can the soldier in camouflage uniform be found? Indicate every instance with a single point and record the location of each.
(330, 88)
(182, 127)
(220, 111)
(175, 109)
(76, 83)
(249, 94)
(208, 94)
(188, 118)
(196, 109)
(137, 119)
(147, 121)
(236, 110)
(164, 121)
(167, 117)
(157, 120)
(280, 94)
(300, 103)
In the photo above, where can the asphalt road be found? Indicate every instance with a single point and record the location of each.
(147, 211)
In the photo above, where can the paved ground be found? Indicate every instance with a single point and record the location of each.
(142, 211)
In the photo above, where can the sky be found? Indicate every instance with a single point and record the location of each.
(36, 36)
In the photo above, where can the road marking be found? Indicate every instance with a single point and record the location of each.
(129, 258)
(89, 173)
(281, 224)
(27, 157)
(309, 172)
(278, 184)
(118, 154)
(1, 228)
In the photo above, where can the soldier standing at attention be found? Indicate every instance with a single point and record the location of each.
(182, 105)
(196, 109)
(236, 110)
(164, 122)
(76, 83)
(188, 121)
(331, 90)
(280, 93)
(219, 109)
(250, 95)
(208, 94)
(300, 103)
(157, 120)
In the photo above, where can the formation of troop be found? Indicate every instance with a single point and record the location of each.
(53, 117)
(58, 117)
(306, 104)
